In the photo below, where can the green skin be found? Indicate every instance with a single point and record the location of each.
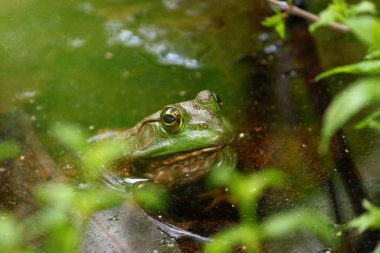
(174, 159)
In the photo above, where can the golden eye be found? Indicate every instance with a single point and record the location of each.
(171, 119)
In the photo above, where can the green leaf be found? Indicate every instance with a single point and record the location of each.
(347, 104)
(368, 220)
(70, 135)
(101, 155)
(364, 67)
(333, 13)
(370, 121)
(281, 224)
(373, 53)
(364, 7)
(377, 250)
(366, 28)
(151, 196)
(243, 234)
(276, 21)
(10, 233)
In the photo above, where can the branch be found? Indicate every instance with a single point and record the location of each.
(293, 10)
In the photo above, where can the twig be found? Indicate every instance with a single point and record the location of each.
(294, 10)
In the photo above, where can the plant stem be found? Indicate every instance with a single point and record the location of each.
(293, 10)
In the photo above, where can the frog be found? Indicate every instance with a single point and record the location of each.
(179, 144)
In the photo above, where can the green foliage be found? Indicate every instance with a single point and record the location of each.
(365, 25)
(249, 233)
(283, 223)
(61, 221)
(277, 21)
(247, 189)
(347, 104)
(369, 220)
(10, 234)
(65, 208)
(371, 121)
(8, 150)
(366, 29)
(94, 157)
(339, 11)
(151, 196)
(370, 67)
(241, 234)
(373, 53)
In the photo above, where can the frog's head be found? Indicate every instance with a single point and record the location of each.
(192, 126)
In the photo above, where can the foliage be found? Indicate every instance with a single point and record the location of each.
(276, 21)
(65, 208)
(249, 233)
(370, 121)
(369, 220)
(365, 25)
(346, 104)
(341, 12)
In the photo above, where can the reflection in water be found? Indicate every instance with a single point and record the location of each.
(76, 42)
(118, 35)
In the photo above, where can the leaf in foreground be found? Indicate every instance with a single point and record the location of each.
(281, 224)
(346, 105)
(368, 220)
(360, 68)
(366, 28)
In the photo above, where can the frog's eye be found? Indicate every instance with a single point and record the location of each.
(171, 119)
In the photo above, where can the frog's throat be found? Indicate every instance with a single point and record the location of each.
(172, 173)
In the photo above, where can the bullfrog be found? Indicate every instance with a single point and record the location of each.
(179, 144)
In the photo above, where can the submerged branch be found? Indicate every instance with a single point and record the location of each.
(294, 10)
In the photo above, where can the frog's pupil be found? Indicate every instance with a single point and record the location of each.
(169, 118)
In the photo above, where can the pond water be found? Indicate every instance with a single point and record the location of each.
(108, 64)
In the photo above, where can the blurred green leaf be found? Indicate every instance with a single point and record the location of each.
(346, 104)
(373, 53)
(98, 156)
(377, 250)
(66, 209)
(245, 235)
(95, 199)
(151, 196)
(9, 150)
(221, 176)
(10, 233)
(369, 220)
(58, 195)
(366, 28)
(277, 21)
(335, 12)
(370, 121)
(340, 12)
(360, 68)
(364, 7)
(70, 135)
(284, 223)
(246, 189)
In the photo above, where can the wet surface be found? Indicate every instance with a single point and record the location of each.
(126, 229)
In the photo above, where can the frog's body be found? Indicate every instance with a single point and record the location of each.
(179, 144)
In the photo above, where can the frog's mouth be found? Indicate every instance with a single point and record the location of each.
(188, 155)
(173, 171)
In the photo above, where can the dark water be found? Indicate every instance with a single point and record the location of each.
(108, 64)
